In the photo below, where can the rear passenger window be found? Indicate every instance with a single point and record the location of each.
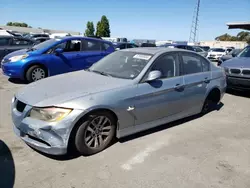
(105, 46)
(191, 63)
(91, 45)
(205, 65)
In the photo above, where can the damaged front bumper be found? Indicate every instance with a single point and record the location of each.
(51, 138)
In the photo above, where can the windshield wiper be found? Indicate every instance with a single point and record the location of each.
(99, 72)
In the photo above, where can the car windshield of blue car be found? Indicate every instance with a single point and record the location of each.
(45, 44)
(245, 52)
(121, 64)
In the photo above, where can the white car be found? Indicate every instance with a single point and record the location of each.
(216, 53)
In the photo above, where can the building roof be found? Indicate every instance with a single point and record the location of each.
(239, 25)
(35, 30)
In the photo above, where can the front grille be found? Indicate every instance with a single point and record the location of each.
(20, 106)
(246, 72)
(235, 71)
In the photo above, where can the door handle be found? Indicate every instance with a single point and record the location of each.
(179, 87)
(206, 80)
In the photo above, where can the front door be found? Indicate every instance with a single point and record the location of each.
(197, 76)
(163, 97)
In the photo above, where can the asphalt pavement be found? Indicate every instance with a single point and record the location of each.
(210, 151)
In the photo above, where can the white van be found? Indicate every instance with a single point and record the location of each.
(56, 35)
(115, 39)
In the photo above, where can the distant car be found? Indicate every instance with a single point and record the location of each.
(215, 54)
(55, 56)
(238, 70)
(147, 45)
(126, 92)
(10, 44)
(40, 39)
(124, 45)
(196, 49)
(34, 36)
(206, 48)
(230, 55)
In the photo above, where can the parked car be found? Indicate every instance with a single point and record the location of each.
(126, 92)
(34, 36)
(10, 44)
(238, 70)
(147, 45)
(215, 54)
(231, 54)
(206, 48)
(55, 56)
(124, 45)
(187, 47)
(40, 39)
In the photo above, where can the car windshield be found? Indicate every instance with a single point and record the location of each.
(122, 64)
(245, 52)
(45, 44)
(217, 50)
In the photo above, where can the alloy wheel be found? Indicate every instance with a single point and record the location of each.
(98, 132)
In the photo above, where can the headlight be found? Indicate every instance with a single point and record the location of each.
(52, 114)
(18, 57)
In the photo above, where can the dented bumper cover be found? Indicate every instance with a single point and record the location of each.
(51, 138)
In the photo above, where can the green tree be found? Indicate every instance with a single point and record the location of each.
(98, 29)
(225, 37)
(243, 35)
(103, 27)
(90, 30)
(17, 24)
(9, 24)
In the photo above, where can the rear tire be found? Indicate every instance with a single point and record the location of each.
(95, 133)
(35, 73)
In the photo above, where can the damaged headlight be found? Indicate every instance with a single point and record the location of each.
(50, 114)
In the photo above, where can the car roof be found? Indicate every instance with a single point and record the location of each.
(81, 37)
(154, 50)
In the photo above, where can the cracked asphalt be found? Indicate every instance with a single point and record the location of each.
(210, 151)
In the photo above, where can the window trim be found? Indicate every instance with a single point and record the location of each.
(195, 55)
(142, 80)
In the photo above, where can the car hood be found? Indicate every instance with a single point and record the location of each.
(216, 53)
(59, 89)
(241, 62)
(226, 57)
(21, 52)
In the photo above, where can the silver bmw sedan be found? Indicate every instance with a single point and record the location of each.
(124, 93)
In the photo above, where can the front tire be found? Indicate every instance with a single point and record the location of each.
(35, 73)
(95, 133)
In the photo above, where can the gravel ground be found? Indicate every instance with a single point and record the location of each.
(210, 151)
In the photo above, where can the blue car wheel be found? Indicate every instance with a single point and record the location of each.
(35, 73)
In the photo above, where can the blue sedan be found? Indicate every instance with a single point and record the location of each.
(55, 56)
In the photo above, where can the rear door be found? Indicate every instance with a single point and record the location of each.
(4, 46)
(197, 76)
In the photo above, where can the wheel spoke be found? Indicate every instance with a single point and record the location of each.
(96, 142)
(90, 129)
(100, 120)
(105, 133)
(105, 121)
(100, 140)
(90, 142)
(106, 128)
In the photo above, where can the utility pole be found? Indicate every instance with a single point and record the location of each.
(194, 27)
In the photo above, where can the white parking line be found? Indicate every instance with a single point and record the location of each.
(141, 156)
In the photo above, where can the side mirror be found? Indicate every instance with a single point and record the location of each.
(58, 51)
(117, 48)
(153, 75)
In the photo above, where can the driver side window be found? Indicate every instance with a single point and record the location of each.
(167, 65)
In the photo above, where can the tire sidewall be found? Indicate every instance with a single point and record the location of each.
(80, 135)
